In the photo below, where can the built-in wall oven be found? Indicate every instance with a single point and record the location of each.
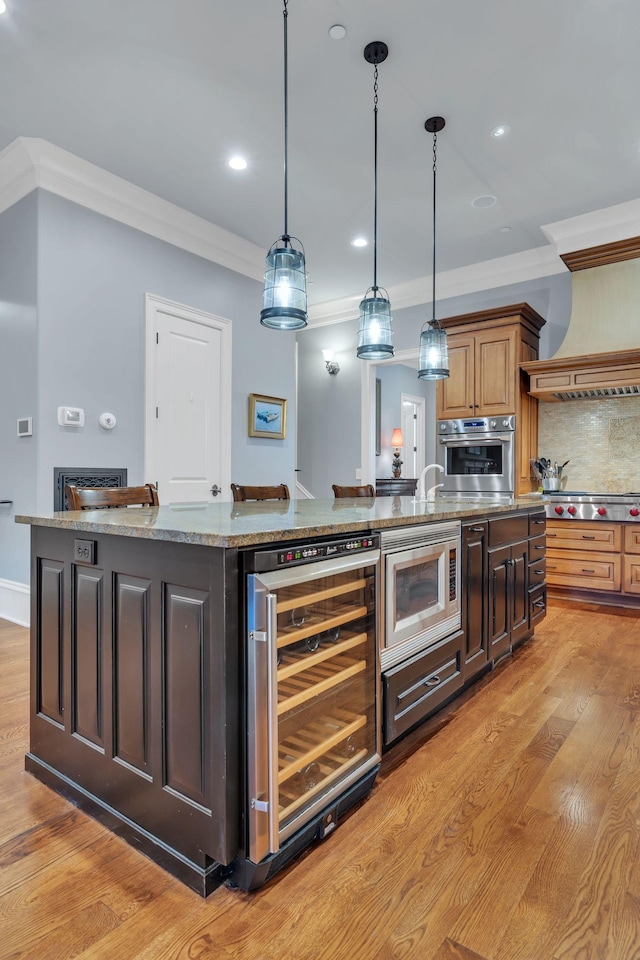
(477, 455)
(312, 694)
(421, 588)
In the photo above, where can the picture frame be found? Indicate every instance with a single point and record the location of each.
(267, 417)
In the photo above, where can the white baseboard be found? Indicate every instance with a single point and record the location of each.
(15, 602)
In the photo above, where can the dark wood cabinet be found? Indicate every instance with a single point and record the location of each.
(474, 575)
(390, 487)
(508, 597)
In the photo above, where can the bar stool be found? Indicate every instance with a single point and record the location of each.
(243, 493)
(364, 491)
(94, 498)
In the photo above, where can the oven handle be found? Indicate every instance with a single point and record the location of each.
(476, 442)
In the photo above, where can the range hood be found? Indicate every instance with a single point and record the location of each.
(600, 354)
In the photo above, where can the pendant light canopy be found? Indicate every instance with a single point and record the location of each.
(285, 280)
(375, 336)
(433, 360)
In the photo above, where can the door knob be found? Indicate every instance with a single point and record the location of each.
(215, 490)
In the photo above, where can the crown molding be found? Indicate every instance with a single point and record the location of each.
(602, 255)
(500, 272)
(596, 228)
(28, 163)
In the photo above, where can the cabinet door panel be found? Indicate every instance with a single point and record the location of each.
(455, 393)
(520, 596)
(587, 536)
(499, 627)
(631, 575)
(495, 364)
(474, 580)
(631, 538)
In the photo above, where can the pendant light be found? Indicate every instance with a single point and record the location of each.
(375, 336)
(284, 305)
(433, 361)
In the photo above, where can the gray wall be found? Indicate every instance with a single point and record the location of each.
(396, 379)
(87, 350)
(329, 440)
(18, 381)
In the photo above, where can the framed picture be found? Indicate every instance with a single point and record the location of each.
(267, 417)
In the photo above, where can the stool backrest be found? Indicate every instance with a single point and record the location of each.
(94, 498)
(364, 491)
(242, 493)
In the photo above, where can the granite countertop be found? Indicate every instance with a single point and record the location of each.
(244, 524)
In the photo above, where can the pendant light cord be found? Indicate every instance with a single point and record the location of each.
(375, 180)
(433, 296)
(285, 14)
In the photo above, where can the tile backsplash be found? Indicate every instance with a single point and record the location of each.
(600, 437)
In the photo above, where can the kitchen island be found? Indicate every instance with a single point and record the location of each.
(139, 660)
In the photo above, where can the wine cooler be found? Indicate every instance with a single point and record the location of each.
(312, 679)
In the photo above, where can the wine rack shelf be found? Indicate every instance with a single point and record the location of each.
(310, 683)
(319, 737)
(317, 623)
(331, 768)
(302, 597)
(300, 664)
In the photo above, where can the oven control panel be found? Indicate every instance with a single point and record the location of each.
(453, 565)
(294, 555)
(475, 425)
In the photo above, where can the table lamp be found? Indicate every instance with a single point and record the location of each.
(397, 441)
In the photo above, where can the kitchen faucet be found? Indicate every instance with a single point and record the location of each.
(431, 492)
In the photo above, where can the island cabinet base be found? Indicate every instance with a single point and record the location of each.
(135, 702)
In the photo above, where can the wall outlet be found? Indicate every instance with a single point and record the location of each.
(84, 551)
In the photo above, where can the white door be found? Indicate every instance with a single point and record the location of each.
(413, 432)
(188, 437)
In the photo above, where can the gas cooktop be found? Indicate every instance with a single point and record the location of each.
(580, 505)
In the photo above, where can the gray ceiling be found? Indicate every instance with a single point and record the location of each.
(161, 92)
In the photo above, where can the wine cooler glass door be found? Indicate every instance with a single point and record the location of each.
(312, 691)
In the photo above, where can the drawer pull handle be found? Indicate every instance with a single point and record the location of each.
(586, 570)
(586, 536)
(539, 521)
(539, 572)
(432, 682)
(539, 546)
(476, 529)
(551, 566)
(538, 603)
(552, 534)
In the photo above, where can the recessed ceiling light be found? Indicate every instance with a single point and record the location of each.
(236, 163)
(501, 131)
(359, 242)
(3, 6)
(337, 32)
(505, 229)
(487, 200)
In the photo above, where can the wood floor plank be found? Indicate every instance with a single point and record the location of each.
(510, 833)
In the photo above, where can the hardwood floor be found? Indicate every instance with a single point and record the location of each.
(511, 831)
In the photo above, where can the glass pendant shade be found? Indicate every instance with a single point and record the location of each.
(285, 290)
(433, 360)
(375, 335)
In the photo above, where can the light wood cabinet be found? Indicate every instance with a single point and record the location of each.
(592, 558)
(486, 350)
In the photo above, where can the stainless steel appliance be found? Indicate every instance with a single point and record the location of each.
(477, 455)
(421, 588)
(312, 705)
(580, 505)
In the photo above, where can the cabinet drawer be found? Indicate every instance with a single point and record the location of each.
(537, 604)
(631, 575)
(596, 571)
(537, 547)
(416, 688)
(631, 538)
(572, 535)
(537, 572)
(537, 524)
(508, 529)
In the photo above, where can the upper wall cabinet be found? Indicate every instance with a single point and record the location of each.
(485, 352)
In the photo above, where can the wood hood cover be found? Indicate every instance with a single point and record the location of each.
(600, 354)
